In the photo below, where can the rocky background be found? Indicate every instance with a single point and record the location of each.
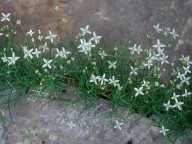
(123, 20)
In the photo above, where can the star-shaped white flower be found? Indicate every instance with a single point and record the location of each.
(28, 53)
(145, 84)
(37, 52)
(59, 54)
(71, 125)
(51, 36)
(139, 91)
(186, 94)
(174, 34)
(94, 79)
(138, 50)
(178, 104)
(4, 59)
(187, 69)
(30, 33)
(95, 38)
(112, 65)
(102, 79)
(102, 54)
(163, 130)
(175, 96)
(44, 47)
(167, 105)
(180, 76)
(157, 28)
(185, 80)
(133, 71)
(148, 64)
(5, 17)
(163, 59)
(113, 81)
(13, 59)
(118, 125)
(47, 63)
(64, 53)
(82, 43)
(159, 45)
(133, 49)
(85, 30)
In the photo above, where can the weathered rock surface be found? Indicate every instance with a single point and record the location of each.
(122, 20)
(46, 122)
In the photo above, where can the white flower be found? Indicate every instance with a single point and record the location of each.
(118, 125)
(157, 28)
(186, 59)
(138, 50)
(178, 104)
(28, 53)
(59, 53)
(95, 38)
(102, 79)
(119, 87)
(85, 30)
(159, 45)
(174, 34)
(160, 51)
(94, 79)
(5, 17)
(180, 76)
(36, 53)
(56, 8)
(164, 59)
(47, 63)
(163, 130)
(51, 36)
(115, 48)
(113, 81)
(133, 49)
(18, 22)
(155, 56)
(133, 71)
(30, 32)
(148, 64)
(1, 34)
(12, 59)
(187, 70)
(139, 91)
(71, 125)
(40, 37)
(175, 96)
(4, 59)
(167, 105)
(186, 94)
(112, 65)
(146, 84)
(185, 80)
(44, 47)
(102, 54)
(83, 44)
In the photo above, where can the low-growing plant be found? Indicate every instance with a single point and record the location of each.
(130, 76)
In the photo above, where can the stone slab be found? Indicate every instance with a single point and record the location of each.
(46, 122)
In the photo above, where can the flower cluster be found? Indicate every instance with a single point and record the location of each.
(86, 46)
(130, 76)
(103, 81)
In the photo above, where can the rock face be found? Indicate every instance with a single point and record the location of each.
(123, 20)
(45, 122)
